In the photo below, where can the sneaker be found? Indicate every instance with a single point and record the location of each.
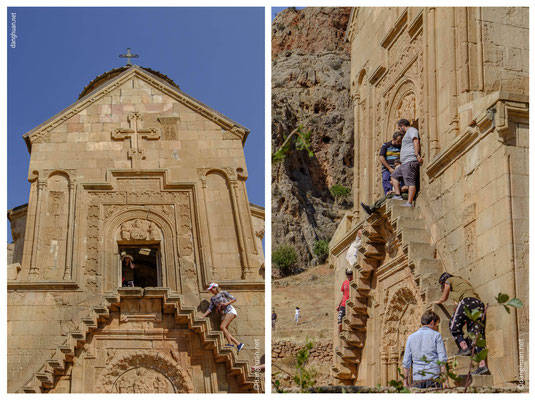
(366, 208)
(465, 352)
(481, 371)
(240, 346)
(397, 197)
(229, 345)
(407, 204)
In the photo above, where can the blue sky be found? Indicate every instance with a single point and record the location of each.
(276, 10)
(214, 54)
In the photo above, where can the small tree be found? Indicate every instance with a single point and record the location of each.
(321, 249)
(305, 377)
(339, 192)
(284, 258)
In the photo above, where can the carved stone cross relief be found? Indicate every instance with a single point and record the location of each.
(135, 153)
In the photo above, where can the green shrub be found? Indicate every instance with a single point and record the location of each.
(321, 249)
(284, 258)
(339, 192)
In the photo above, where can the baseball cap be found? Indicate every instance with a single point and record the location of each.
(444, 277)
(212, 285)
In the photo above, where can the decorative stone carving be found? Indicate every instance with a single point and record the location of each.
(139, 229)
(144, 371)
(135, 153)
(401, 317)
(169, 127)
(55, 201)
(260, 233)
(406, 108)
(143, 380)
(42, 136)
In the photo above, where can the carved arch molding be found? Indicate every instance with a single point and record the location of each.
(144, 372)
(401, 318)
(139, 210)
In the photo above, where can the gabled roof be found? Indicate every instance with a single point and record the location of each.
(106, 76)
(99, 88)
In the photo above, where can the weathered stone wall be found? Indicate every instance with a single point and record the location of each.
(461, 76)
(132, 163)
(322, 351)
(310, 87)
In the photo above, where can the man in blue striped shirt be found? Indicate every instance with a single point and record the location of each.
(423, 351)
(388, 155)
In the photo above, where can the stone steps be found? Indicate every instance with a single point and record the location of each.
(45, 378)
(415, 241)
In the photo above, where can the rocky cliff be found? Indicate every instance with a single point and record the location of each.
(310, 87)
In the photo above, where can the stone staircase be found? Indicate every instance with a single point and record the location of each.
(407, 226)
(47, 376)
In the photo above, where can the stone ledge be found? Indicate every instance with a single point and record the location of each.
(43, 285)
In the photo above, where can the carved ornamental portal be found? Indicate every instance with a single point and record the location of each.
(139, 229)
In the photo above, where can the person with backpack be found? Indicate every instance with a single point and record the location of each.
(465, 298)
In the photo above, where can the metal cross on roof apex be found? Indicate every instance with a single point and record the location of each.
(128, 55)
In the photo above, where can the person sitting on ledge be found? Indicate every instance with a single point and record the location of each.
(426, 353)
(464, 296)
(404, 189)
(388, 156)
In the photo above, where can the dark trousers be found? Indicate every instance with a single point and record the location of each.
(387, 186)
(341, 314)
(459, 318)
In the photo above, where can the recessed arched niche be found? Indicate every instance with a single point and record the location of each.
(53, 244)
(148, 238)
(222, 226)
(141, 240)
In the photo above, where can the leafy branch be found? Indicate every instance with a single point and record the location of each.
(304, 376)
(477, 316)
(300, 138)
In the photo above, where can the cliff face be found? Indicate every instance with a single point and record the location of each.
(310, 87)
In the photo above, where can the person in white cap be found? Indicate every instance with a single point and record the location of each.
(222, 301)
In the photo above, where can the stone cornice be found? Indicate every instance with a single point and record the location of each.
(257, 211)
(350, 29)
(113, 174)
(238, 286)
(224, 122)
(42, 285)
(395, 31)
(17, 212)
(495, 111)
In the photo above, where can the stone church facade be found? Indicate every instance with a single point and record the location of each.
(135, 166)
(460, 75)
